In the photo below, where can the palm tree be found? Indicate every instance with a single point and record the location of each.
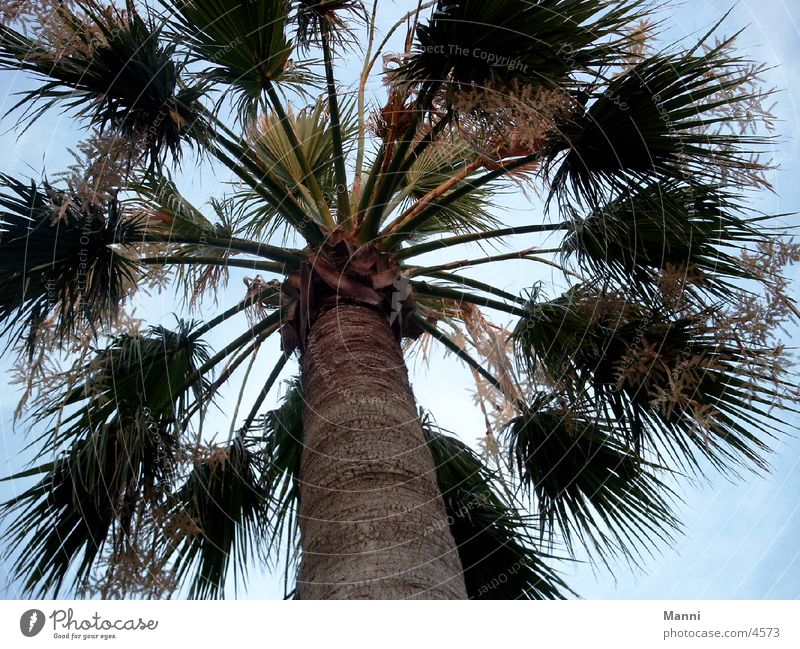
(660, 360)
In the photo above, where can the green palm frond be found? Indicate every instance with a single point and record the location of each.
(221, 513)
(240, 500)
(135, 376)
(543, 42)
(677, 386)
(587, 485)
(500, 559)
(168, 215)
(251, 216)
(58, 261)
(274, 152)
(85, 499)
(334, 17)
(244, 42)
(167, 211)
(658, 121)
(113, 70)
(666, 226)
(117, 457)
(437, 165)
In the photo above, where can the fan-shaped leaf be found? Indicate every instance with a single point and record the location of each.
(472, 41)
(437, 165)
(312, 127)
(500, 559)
(113, 70)
(671, 381)
(245, 42)
(657, 120)
(665, 226)
(588, 485)
(225, 506)
(57, 259)
(118, 459)
(312, 17)
(86, 499)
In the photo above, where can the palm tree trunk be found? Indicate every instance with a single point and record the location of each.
(373, 523)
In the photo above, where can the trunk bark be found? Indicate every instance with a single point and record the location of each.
(372, 521)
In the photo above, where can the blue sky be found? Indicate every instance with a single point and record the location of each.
(741, 538)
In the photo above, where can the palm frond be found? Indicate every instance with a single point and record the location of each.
(274, 152)
(117, 457)
(170, 220)
(543, 42)
(150, 374)
(480, 236)
(500, 558)
(678, 386)
(666, 227)
(221, 512)
(85, 500)
(166, 213)
(312, 17)
(659, 120)
(252, 216)
(113, 70)
(239, 501)
(587, 486)
(244, 42)
(58, 259)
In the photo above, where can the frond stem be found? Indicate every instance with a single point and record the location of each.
(271, 267)
(423, 288)
(271, 321)
(293, 258)
(342, 194)
(273, 376)
(458, 351)
(463, 263)
(232, 311)
(430, 246)
(474, 283)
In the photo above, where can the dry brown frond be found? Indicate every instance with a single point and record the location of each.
(392, 120)
(258, 310)
(418, 349)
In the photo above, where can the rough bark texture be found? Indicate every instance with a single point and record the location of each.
(372, 519)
